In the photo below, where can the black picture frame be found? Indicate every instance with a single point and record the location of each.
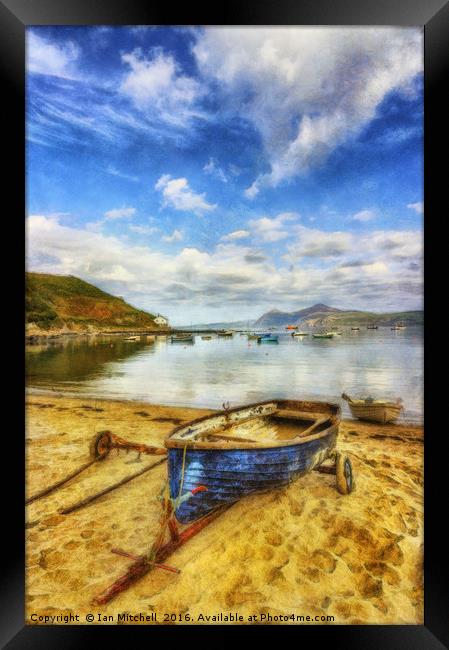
(15, 16)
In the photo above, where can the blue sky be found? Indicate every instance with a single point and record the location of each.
(215, 173)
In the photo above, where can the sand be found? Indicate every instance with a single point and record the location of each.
(304, 550)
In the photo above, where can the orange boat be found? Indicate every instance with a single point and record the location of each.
(291, 327)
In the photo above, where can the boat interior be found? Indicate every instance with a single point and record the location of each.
(265, 423)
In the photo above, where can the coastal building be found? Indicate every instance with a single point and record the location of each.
(161, 320)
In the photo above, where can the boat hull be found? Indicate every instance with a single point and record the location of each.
(383, 414)
(230, 474)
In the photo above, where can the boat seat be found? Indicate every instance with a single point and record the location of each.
(296, 415)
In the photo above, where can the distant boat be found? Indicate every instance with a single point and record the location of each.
(226, 333)
(371, 327)
(327, 335)
(253, 337)
(217, 459)
(271, 338)
(300, 333)
(291, 327)
(355, 329)
(207, 337)
(132, 338)
(374, 410)
(401, 326)
(182, 338)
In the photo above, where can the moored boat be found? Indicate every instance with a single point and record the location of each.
(132, 338)
(253, 337)
(355, 329)
(372, 327)
(270, 338)
(229, 333)
(374, 410)
(207, 337)
(326, 335)
(182, 338)
(217, 459)
(291, 327)
(300, 333)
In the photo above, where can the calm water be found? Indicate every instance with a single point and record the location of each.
(381, 363)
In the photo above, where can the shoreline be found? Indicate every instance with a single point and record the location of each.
(37, 390)
(302, 550)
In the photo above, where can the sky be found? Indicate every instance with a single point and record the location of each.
(215, 173)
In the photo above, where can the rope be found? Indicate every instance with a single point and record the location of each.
(170, 506)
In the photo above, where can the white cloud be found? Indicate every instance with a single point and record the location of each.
(234, 276)
(120, 213)
(158, 85)
(213, 169)
(314, 243)
(143, 230)
(308, 89)
(237, 234)
(272, 229)
(177, 194)
(417, 207)
(174, 237)
(48, 58)
(364, 215)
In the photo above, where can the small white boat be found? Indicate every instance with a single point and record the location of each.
(374, 410)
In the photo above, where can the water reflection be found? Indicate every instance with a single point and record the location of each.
(382, 363)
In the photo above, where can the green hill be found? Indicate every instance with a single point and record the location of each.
(56, 303)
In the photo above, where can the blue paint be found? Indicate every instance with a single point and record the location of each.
(234, 473)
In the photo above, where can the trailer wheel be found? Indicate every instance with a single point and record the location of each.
(100, 445)
(344, 477)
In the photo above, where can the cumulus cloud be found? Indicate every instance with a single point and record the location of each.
(364, 215)
(120, 213)
(57, 60)
(174, 237)
(232, 276)
(307, 90)
(272, 229)
(177, 194)
(158, 84)
(236, 234)
(417, 207)
(310, 242)
(143, 230)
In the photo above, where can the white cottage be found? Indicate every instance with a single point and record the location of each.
(161, 320)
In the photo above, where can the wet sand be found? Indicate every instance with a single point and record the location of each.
(302, 550)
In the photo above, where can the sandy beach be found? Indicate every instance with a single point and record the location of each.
(302, 550)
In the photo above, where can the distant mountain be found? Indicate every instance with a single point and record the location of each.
(329, 317)
(276, 318)
(60, 303)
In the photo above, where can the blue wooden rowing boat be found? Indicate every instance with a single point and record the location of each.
(216, 460)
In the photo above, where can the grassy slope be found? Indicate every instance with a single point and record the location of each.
(55, 302)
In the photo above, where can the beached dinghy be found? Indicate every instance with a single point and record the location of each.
(215, 460)
(374, 410)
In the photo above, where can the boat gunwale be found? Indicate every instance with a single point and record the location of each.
(178, 443)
